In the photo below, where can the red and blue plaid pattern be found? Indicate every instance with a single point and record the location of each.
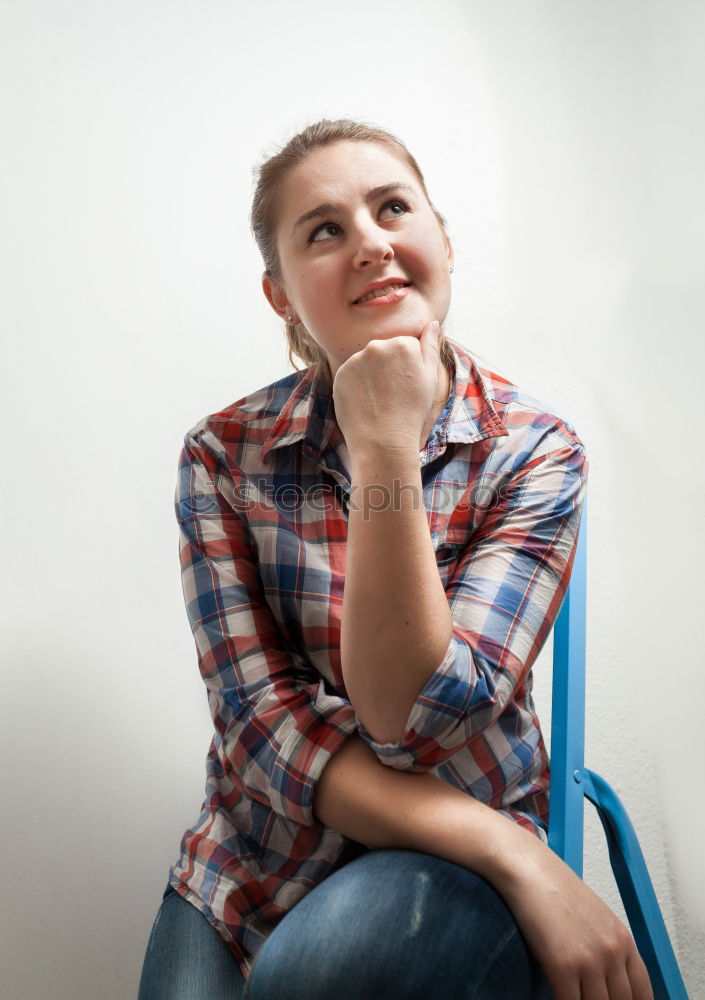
(261, 502)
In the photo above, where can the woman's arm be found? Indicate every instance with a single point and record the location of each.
(396, 624)
(432, 666)
(275, 724)
(381, 807)
(394, 598)
(502, 597)
(585, 951)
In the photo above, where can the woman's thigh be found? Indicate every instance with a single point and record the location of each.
(186, 959)
(396, 923)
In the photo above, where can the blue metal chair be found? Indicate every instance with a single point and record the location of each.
(571, 783)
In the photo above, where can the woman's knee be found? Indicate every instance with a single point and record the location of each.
(391, 923)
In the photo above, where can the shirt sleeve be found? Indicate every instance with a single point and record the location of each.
(275, 724)
(504, 595)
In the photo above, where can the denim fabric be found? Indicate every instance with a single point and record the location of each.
(186, 959)
(388, 925)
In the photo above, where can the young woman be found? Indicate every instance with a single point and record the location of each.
(373, 552)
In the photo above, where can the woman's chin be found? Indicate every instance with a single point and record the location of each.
(397, 326)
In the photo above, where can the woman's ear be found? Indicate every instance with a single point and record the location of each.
(276, 296)
(451, 252)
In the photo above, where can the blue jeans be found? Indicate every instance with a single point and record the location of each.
(390, 924)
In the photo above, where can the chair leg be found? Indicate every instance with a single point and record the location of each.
(636, 890)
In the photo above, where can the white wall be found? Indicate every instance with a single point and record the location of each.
(564, 143)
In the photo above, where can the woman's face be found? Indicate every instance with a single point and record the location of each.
(359, 237)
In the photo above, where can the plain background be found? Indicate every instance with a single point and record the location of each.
(563, 141)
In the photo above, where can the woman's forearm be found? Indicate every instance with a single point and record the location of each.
(396, 622)
(381, 807)
(573, 934)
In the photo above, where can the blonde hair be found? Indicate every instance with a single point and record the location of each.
(264, 216)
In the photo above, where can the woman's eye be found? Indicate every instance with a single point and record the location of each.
(334, 225)
(318, 229)
(396, 201)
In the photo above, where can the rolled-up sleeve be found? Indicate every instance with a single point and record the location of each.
(275, 725)
(504, 594)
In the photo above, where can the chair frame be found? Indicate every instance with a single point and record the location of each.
(572, 783)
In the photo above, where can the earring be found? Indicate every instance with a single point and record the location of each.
(451, 268)
(290, 318)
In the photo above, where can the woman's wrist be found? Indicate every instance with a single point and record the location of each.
(472, 834)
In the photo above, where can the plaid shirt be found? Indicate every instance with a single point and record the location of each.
(261, 502)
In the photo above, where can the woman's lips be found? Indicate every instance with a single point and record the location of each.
(385, 300)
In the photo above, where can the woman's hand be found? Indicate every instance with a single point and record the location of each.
(585, 950)
(386, 391)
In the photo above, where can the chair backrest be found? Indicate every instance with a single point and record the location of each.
(572, 782)
(565, 827)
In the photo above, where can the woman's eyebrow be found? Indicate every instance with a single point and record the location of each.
(372, 195)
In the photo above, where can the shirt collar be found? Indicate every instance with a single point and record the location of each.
(308, 415)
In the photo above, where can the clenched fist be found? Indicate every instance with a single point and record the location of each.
(383, 394)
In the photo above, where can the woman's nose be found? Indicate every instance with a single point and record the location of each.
(372, 245)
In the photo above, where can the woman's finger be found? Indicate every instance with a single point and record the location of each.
(565, 988)
(639, 978)
(618, 984)
(594, 987)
